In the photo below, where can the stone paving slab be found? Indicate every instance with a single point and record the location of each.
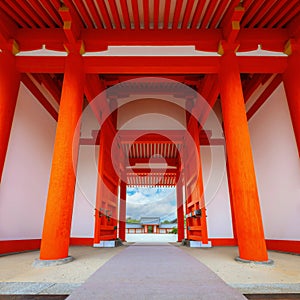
(154, 272)
(35, 288)
(23, 288)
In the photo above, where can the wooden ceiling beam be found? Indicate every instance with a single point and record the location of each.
(8, 30)
(84, 13)
(115, 14)
(136, 16)
(252, 11)
(219, 11)
(293, 12)
(271, 13)
(227, 15)
(285, 9)
(197, 13)
(294, 27)
(232, 28)
(156, 14)
(40, 11)
(187, 14)
(104, 13)
(253, 85)
(72, 30)
(125, 14)
(264, 96)
(208, 14)
(99, 39)
(52, 11)
(171, 162)
(152, 65)
(51, 86)
(167, 13)
(261, 13)
(12, 14)
(39, 96)
(177, 12)
(75, 14)
(94, 13)
(20, 11)
(146, 14)
(32, 13)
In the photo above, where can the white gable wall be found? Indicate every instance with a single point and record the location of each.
(277, 167)
(24, 186)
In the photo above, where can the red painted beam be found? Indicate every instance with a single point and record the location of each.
(293, 12)
(115, 14)
(52, 12)
(99, 39)
(135, 12)
(125, 14)
(253, 84)
(84, 13)
(271, 14)
(146, 14)
(32, 13)
(104, 13)
(13, 14)
(197, 13)
(156, 14)
(289, 5)
(218, 13)
(42, 14)
(187, 14)
(177, 12)
(261, 13)
(208, 14)
(264, 96)
(167, 13)
(39, 96)
(151, 64)
(21, 12)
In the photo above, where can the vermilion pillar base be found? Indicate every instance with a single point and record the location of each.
(244, 193)
(59, 209)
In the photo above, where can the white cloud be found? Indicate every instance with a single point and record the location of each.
(154, 202)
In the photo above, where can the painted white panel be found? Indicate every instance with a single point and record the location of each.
(85, 192)
(277, 167)
(24, 186)
(216, 192)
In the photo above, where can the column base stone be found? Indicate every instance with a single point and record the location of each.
(39, 263)
(246, 261)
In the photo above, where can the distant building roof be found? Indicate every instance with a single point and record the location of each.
(133, 225)
(170, 225)
(150, 221)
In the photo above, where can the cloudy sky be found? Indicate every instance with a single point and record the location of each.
(152, 202)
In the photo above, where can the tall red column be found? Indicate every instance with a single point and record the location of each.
(245, 200)
(9, 88)
(180, 217)
(58, 215)
(291, 80)
(122, 217)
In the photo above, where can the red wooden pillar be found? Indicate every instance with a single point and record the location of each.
(245, 200)
(9, 88)
(291, 80)
(58, 215)
(122, 218)
(180, 217)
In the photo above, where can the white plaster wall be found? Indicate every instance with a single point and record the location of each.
(277, 167)
(85, 192)
(24, 186)
(216, 193)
